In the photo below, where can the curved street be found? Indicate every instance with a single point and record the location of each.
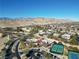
(9, 52)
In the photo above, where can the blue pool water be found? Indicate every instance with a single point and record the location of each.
(73, 55)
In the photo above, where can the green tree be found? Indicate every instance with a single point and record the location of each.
(73, 40)
(50, 36)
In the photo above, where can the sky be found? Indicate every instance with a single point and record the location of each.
(68, 9)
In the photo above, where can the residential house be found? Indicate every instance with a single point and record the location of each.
(66, 36)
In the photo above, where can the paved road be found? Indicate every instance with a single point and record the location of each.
(9, 53)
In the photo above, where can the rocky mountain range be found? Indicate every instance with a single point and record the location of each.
(12, 22)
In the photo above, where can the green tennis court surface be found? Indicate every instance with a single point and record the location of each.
(57, 48)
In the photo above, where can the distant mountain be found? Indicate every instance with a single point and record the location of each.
(4, 22)
(6, 18)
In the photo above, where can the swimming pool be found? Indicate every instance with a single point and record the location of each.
(73, 55)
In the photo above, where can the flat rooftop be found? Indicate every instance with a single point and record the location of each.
(73, 55)
(57, 48)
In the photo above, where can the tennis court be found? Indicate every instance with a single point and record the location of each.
(57, 48)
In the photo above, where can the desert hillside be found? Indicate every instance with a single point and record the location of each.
(4, 22)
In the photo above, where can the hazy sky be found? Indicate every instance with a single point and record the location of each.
(40, 8)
